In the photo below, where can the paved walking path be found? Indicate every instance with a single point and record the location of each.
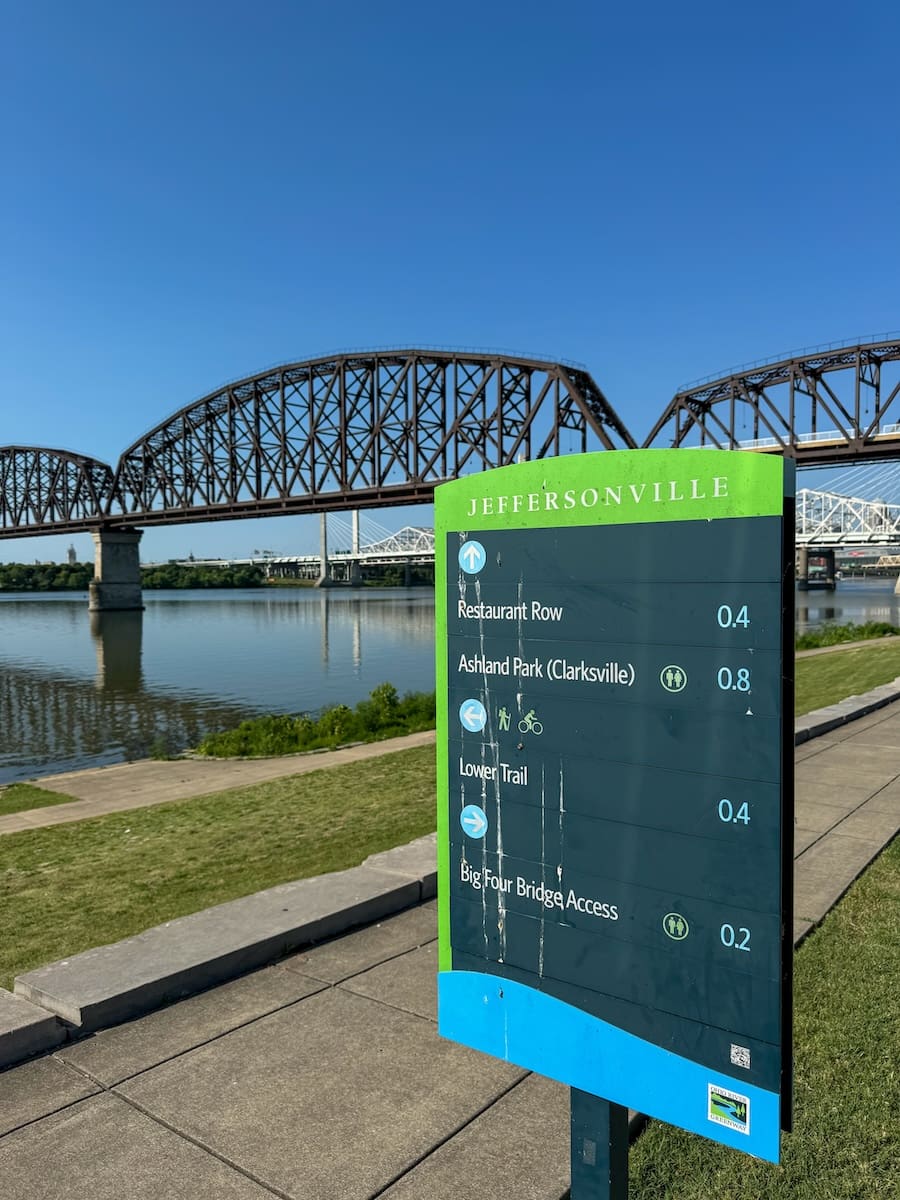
(322, 1077)
(125, 786)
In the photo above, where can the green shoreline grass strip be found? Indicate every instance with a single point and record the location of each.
(826, 679)
(69, 888)
(22, 797)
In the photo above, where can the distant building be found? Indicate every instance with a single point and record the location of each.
(71, 556)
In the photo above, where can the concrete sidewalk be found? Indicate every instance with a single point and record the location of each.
(126, 786)
(323, 1077)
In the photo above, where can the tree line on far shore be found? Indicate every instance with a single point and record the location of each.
(45, 577)
(75, 577)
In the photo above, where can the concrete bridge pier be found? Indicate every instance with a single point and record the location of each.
(324, 579)
(823, 575)
(116, 585)
(354, 566)
(826, 558)
(803, 568)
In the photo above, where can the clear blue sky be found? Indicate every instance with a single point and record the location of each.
(195, 191)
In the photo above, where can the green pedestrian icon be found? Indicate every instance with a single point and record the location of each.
(675, 926)
(503, 718)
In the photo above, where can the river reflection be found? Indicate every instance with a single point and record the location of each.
(118, 638)
(856, 600)
(85, 690)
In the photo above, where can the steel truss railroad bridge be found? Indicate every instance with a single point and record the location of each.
(374, 429)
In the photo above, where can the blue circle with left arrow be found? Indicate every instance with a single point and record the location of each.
(472, 557)
(474, 821)
(473, 715)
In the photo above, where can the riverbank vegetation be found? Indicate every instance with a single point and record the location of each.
(833, 635)
(845, 1144)
(75, 577)
(68, 888)
(172, 576)
(384, 714)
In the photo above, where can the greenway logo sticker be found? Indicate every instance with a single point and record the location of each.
(728, 1108)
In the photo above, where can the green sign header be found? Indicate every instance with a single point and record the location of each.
(626, 487)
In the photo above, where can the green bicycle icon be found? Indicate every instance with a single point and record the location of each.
(529, 725)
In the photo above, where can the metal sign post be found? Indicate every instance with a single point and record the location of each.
(599, 1158)
(615, 753)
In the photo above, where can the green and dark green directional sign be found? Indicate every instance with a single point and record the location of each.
(615, 742)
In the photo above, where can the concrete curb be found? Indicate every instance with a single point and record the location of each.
(25, 1029)
(115, 983)
(824, 720)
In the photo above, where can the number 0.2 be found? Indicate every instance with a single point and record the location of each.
(735, 940)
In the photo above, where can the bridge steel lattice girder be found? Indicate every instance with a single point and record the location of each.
(43, 490)
(357, 430)
(793, 407)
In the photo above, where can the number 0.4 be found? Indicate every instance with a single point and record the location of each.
(728, 814)
(729, 619)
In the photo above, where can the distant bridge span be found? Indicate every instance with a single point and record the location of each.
(360, 430)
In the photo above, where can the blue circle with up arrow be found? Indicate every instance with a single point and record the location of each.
(473, 715)
(472, 557)
(474, 821)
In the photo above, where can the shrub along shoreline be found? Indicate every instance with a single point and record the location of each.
(832, 635)
(385, 714)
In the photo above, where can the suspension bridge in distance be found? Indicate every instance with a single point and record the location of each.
(409, 548)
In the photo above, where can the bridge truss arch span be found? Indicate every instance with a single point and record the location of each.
(359, 430)
(827, 405)
(51, 491)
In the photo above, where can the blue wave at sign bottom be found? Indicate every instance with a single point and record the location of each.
(541, 1033)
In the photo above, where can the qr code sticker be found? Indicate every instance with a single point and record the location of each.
(740, 1056)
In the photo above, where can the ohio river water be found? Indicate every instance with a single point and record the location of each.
(76, 692)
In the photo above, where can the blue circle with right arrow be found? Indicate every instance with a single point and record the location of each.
(473, 715)
(472, 557)
(474, 821)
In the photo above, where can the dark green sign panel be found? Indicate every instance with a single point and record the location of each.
(615, 742)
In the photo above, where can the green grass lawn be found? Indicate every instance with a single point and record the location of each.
(827, 678)
(20, 797)
(66, 889)
(846, 1139)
